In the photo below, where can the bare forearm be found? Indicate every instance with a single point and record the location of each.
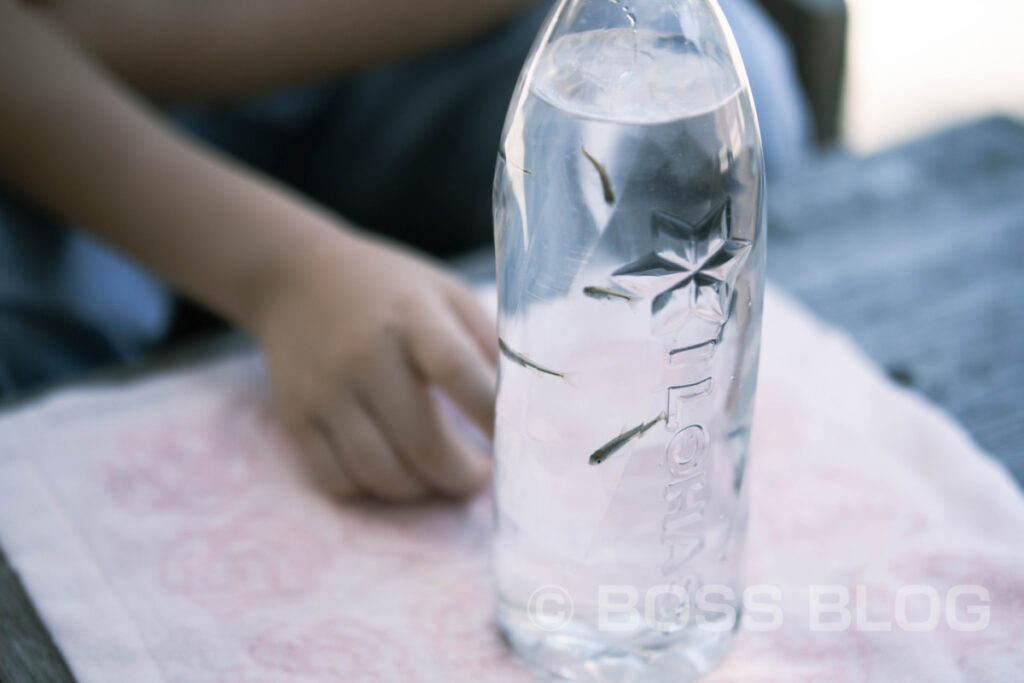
(75, 141)
(224, 48)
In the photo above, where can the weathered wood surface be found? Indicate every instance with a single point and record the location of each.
(27, 653)
(918, 252)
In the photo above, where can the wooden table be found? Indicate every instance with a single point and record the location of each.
(918, 252)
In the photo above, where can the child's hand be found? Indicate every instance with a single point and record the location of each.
(355, 332)
(355, 336)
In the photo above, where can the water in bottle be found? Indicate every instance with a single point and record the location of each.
(629, 227)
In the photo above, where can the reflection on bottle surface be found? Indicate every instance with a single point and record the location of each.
(630, 259)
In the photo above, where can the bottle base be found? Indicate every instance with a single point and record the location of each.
(575, 653)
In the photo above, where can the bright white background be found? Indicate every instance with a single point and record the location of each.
(917, 65)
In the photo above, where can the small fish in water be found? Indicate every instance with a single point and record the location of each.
(602, 453)
(605, 293)
(520, 359)
(501, 153)
(606, 182)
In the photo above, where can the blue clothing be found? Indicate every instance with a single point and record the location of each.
(68, 302)
(407, 150)
(782, 109)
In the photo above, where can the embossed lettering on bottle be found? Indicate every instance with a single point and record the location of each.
(689, 277)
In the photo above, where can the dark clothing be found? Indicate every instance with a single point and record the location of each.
(407, 150)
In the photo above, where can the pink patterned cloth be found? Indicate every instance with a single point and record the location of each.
(164, 533)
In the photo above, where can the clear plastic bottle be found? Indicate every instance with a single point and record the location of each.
(629, 220)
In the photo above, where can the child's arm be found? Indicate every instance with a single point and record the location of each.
(174, 49)
(353, 329)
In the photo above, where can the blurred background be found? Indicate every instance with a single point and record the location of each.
(913, 66)
(879, 72)
(909, 235)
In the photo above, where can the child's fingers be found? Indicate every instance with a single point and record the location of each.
(319, 462)
(406, 414)
(443, 351)
(479, 324)
(365, 455)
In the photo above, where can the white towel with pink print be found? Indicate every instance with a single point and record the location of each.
(164, 535)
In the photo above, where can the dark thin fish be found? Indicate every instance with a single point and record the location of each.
(501, 153)
(602, 453)
(606, 182)
(605, 293)
(520, 359)
(629, 13)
